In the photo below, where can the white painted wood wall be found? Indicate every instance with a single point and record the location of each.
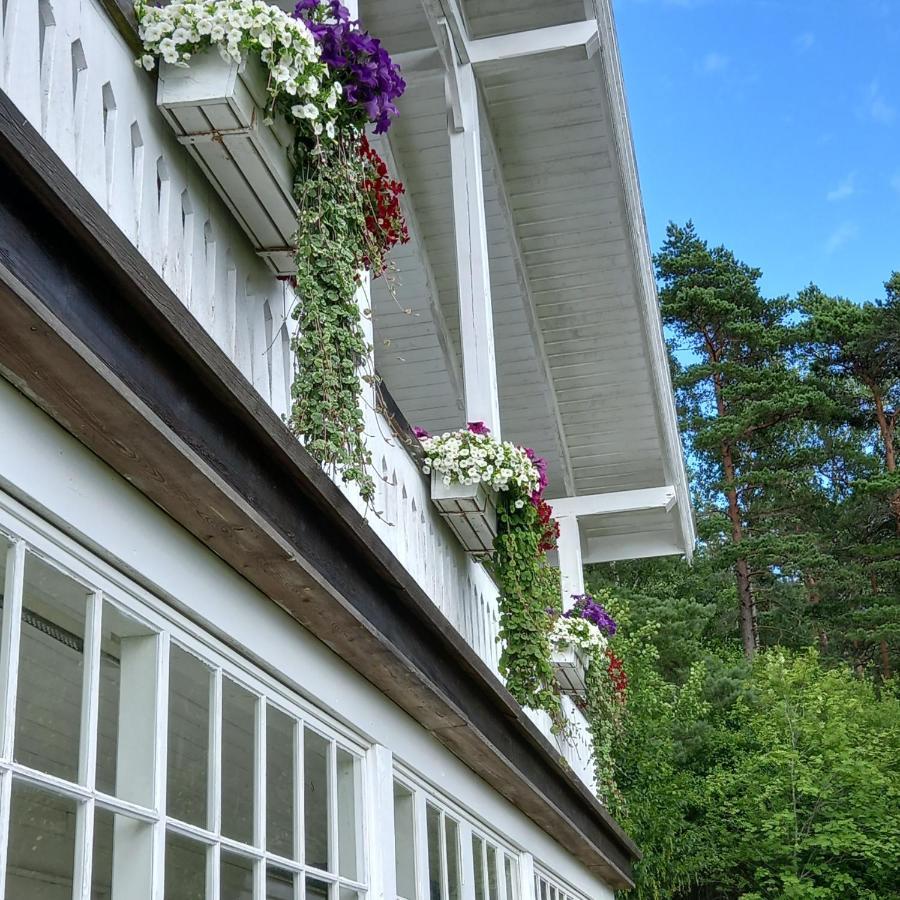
(73, 77)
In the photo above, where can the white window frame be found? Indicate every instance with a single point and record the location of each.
(27, 532)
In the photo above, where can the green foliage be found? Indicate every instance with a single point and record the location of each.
(528, 586)
(329, 341)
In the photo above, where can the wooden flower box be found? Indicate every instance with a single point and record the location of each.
(569, 668)
(217, 108)
(470, 510)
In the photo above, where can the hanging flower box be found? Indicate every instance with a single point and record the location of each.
(469, 509)
(217, 109)
(569, 668)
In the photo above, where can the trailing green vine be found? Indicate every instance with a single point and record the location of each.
(523, 576)
(330, 80)
(329, 340)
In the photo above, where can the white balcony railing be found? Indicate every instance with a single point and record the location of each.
(72, 75)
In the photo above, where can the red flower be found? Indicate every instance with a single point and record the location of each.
(550, 526)
(617, 674)
(384, 218)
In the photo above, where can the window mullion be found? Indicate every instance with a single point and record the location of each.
(9, 645)
(467, 861)
(84, 850)
(160, 754)
(9, 666)
(420, 821)
(299, 819)
(259, 797)
(526, 877)
(90, 702)
(442, 840)
(214, 785)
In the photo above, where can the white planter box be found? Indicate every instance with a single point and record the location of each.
(217, 108)
(569, 668)
(470, 510)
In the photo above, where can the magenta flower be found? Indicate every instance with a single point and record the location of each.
(420, 433)
(478, 428)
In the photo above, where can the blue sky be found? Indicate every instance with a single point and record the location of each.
(775, 126)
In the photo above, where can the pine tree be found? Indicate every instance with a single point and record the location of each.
(855, 350)
(741, 401)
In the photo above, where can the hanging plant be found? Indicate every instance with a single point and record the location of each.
(526, 532)
(330, 80)
(589, 627)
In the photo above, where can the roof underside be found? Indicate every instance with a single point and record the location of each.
(578, 375)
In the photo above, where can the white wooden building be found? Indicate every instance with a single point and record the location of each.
(218, 679)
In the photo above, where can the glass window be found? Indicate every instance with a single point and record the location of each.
(435, 868)
(236, 877)
(478, 862)
(492, 872)
(348, 789)
(281, 791)
(188, 737)
(41, 843)
(316, 752)
(82, 651)
(511, 867)
(51, 670)
(451, 842)
(279, 884)
(238, 741)
(185, 868)
(405, 841)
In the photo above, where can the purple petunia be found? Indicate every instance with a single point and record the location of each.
(586, 607)
(478, 428)
(420, 433)
(371, 81)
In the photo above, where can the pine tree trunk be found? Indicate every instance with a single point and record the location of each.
(746, 600)
(886, 428)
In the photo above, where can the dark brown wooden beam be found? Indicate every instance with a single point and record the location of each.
(94, 336)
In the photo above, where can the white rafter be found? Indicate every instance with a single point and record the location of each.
(660, 498)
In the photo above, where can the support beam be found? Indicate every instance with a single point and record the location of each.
(536, 41)
(571, 565)
(476, 322)
(631, 546)
(662, 498)
(529, 308)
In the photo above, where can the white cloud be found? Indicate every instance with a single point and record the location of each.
(877, 106)
(804, 42)
(844, 189)
(713, 62)
(841, 235)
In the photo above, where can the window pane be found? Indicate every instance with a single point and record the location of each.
(315, 798)
(280, 784)
(188, 738)
(122, 857)
(404, 842)
(185, 868)
(51, 668)
(236, 879)
(512, 878)
(478, 860)
(350, 894)
(435, 870)
(347, 800)
(238, 717)
(128, 653)
(451, 838)
(492, 871)
(316, 890)
(279, 884)
(41, 842)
